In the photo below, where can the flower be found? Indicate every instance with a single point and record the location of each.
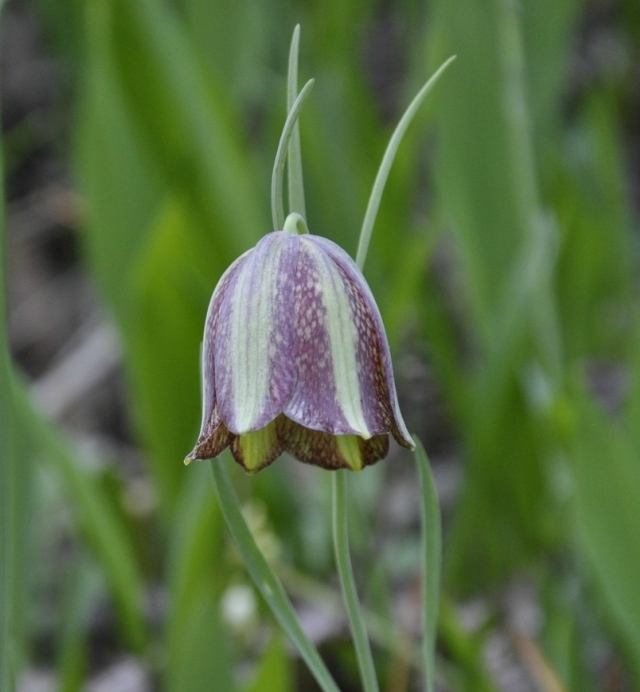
(296, 359)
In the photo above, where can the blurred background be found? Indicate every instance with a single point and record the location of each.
(138, 142)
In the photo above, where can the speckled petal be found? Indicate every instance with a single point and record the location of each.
(254, 351)
(214, 435)
(330, 451)
(327, 394)
(345, 381)
(214, 438)
(374, 369)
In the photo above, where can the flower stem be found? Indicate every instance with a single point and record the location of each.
(348, 584)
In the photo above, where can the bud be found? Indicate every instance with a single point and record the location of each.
(296, 359)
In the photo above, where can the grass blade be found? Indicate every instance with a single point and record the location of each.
(277, 205)
(387, 161)
(432, 559)
(348, 583)
(607, 500)
(82, 588)
(101, 526)
(265, 578)
(196, 580)
(8, 512)
(8, 509)
(295, 179)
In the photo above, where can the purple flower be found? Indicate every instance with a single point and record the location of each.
(296, 359)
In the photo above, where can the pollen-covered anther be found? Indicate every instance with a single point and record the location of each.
(296, 359)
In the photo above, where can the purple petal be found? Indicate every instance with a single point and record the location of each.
(254, 364)
(213, 440)
(345, 381)
(210, 417)
(326, 390)
(375, 371)
(323, 449)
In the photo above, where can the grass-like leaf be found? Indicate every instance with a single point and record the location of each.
(196, 579)
(387, 161)
(277, 205)
(348, 583)
(101, 527)
(340, 525)
(294, 168)
(432, 559)
(8, 509)
(607, 498)
(264, 577)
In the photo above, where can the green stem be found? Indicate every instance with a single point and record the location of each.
(340, 524)
(265, 578)
(348, 583)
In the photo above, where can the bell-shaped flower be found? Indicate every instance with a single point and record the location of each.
(296, 359)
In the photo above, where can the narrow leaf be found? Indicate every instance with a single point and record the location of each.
(274, 670)
(387, 161)
(265, 578)
(295, 179)
(100, 525)
(277, 205)
(607, 500)
(432, 558)
(196, 579)
(8, 510)
(348, 583)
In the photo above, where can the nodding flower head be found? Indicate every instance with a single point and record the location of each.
(296, 359)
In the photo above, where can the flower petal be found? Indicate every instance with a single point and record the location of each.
(327, 392)
(345, 378)
(214, 439)
(254, 356)
(330, 451)
(210, 416)
(258, 449)
(374, 369)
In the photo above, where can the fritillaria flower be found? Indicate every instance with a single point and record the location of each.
(296, 359)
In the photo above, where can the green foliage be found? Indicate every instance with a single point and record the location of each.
(274, 671)
(196, 577)
(432, 559)
(8, 499)
(505, 242)
(606, 519)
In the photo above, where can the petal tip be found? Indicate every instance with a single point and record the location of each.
(256, 450)
(402, 437)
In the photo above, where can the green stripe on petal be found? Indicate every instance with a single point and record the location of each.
(375, 373)
(341, 330)
(254, 365)
(250, 331)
